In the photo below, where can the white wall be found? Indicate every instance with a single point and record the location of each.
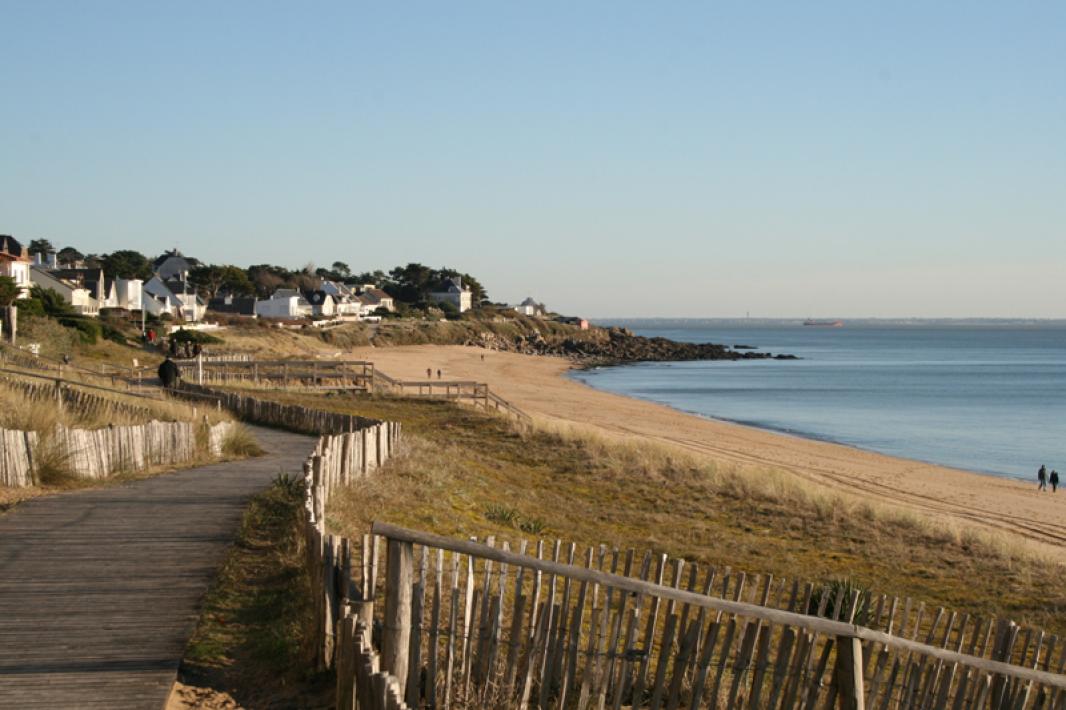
(285, 307)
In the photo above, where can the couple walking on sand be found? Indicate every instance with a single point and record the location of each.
(1043, 478)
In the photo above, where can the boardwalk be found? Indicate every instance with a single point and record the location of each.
(99, 590)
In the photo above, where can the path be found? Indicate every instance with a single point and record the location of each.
(100, 589)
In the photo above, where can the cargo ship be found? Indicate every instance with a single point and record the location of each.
(824, 323)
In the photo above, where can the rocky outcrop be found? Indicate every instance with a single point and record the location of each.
(613, 346)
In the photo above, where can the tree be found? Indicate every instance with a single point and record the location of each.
(413, 282)
(127, 264)
(341, 268)
(267, 278)
(69, 255)
(9, 291)
(40, 246)
(207, 279)
(235, 280)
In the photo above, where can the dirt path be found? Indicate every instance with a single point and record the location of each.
(100, 589)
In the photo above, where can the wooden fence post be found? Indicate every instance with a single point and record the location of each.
(399, 576)
(848, 673)
(1006, 635)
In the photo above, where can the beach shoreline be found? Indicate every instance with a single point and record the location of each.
(542, 387)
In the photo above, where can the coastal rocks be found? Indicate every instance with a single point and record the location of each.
(613, 346)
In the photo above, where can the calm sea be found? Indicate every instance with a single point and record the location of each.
(988, 398)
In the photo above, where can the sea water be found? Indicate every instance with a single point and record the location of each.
(985, 397)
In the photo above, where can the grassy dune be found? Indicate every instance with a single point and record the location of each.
(464, 473)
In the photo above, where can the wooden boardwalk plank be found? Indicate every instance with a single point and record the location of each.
(101, 589)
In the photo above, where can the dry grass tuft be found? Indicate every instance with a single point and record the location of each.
(240, 442)
(52, 465)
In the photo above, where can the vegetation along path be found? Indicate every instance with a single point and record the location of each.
(100, 589)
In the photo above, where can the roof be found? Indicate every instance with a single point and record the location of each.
(9, 246)
(317, 297)
(529, 302)
(376, 295)
(453, 285)
(180, 258)
(89, 278)
(241, 305)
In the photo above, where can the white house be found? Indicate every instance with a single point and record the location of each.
(181, 304)
(345, 300)
(455, 293)
(377, 298)
(128, 294)
(15, 262)
(76, 293)
(285, 303)
(529, 307)
(322, 303)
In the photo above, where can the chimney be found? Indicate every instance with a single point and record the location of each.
(52, 260)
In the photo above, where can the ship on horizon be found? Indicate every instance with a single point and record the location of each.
(824, 323)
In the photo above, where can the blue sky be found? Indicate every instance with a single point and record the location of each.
(609, 158)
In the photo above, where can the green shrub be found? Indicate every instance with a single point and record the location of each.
(501, 515)
(533, 526)
(194, 336)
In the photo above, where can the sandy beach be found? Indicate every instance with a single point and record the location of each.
(540, 386)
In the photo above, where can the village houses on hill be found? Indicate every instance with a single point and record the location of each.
(455, 293)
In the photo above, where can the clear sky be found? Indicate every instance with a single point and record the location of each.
(609, 158)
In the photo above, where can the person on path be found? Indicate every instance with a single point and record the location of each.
(1041, 478)
(429, 373)
(196, 350)
(169, 374)
(173, 347)
(438, 374)
(1053, 479)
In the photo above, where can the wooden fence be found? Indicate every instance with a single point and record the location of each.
(275, 414)
(99, 453)
(472, 625)
(476, 393)
(305, 374)
(72, 394)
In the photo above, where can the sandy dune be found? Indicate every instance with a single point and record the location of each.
(539, 386)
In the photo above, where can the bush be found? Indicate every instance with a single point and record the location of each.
(89, 331)
(113, 334)
(194, 336)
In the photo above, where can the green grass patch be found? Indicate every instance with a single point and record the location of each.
(252, 637)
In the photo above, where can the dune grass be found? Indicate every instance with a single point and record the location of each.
(461, 472)
(24, 413)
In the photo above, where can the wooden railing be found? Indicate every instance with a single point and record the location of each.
(304, 374)
(476, 393)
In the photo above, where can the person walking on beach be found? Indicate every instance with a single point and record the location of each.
(1053, 479)
(429, 373)
(1041, 478)
(438, 373)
